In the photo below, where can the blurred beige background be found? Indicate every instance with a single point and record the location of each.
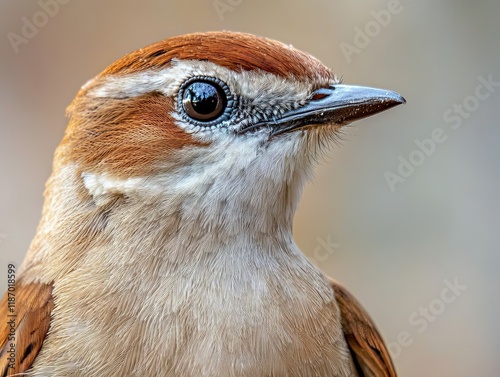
(398, 249)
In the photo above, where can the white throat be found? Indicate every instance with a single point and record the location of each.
(239, 186)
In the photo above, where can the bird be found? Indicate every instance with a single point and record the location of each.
(165, 245)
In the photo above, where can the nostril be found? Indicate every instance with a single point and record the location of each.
(321, 93)
(318, 96)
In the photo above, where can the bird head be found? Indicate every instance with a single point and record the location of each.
(227, 123)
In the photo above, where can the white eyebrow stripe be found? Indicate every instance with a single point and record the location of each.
(251, 84)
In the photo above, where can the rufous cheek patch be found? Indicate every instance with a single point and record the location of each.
(123, 137)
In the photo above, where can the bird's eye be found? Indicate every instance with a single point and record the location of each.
(205, 100)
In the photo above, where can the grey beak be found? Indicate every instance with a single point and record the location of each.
(337, 104)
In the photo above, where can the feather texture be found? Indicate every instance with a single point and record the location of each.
(367, 347)
(23, 331)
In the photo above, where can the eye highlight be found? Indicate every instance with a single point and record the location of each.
(205, 101)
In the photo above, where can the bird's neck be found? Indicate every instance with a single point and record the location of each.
(164, 220)
(222, 272)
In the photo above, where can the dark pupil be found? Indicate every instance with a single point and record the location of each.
(203, 97)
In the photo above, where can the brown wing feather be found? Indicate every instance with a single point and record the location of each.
(367, 347)
(24, 328)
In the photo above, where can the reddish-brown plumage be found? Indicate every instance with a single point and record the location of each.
(236, 51)
(21, 341)
(365, 343)
(123, 137)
